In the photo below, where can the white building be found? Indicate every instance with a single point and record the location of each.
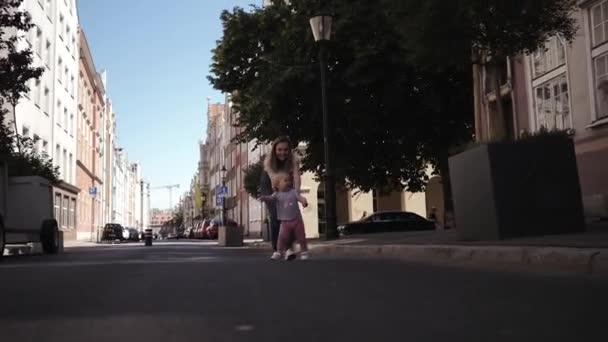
(48, 112)
(119, 183)
(134, 195)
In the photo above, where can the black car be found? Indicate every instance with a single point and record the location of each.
(389, 221)
(112, 231)
(133, 234)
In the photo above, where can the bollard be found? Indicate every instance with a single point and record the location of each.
(148, 237)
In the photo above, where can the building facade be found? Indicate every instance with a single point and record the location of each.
(564, 88)
(220, 151)
(90, 118)
(48, 112)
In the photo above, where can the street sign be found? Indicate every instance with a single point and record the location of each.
(219, 202)
(222, 191)
(93, 191)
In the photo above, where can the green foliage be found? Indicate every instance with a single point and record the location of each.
(253, 174)
(457, 32)
(543, 133)
(29, 162)
(399, 77)
(15, 71)
(197, 195)
(524, 136)
(15, 64)
(175, 222)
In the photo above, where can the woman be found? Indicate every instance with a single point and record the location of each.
(280, 159)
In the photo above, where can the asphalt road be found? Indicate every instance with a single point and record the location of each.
(198, 292)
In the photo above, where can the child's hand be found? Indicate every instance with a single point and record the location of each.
(304, 201)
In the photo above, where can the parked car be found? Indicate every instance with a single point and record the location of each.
(133, 234)
(201, 229)
(114, 231)
(389, 221)
(212, 230)
(172, 236)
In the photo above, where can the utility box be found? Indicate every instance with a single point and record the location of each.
(230, 236)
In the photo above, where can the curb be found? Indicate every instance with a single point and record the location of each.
(562, 260)
(574, 261)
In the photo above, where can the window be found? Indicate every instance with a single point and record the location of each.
(47, 53)
(599, 23)
(45, 148)
(57, 157)
(37, 143)
(61, 25)
(73, 214)
(60, 67)
(38, 42)
(49, 9)
(70, 168)
(64, 216)
(600, 65)
(547, 60)
(65, 119)
(57, 205)
(47, 100)
(58, 113)
(68, 35)
(72, 86)
(66, 77)
(490, 76)
(553, 104)
(37, 92)
(72, 124)
(65, 165)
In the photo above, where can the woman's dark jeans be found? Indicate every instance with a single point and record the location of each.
(274, 223)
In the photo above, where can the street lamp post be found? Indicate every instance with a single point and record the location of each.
(223, 172)
(321, 30)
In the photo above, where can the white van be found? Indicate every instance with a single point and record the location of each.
(26, 212)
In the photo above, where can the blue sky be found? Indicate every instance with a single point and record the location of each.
(157, 55)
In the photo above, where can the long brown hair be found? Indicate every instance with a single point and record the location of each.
(271, 164)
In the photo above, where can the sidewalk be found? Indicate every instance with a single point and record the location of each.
(576, 254)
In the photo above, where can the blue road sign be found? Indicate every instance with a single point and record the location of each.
(222, 191)
(93, 191)
(219, 201)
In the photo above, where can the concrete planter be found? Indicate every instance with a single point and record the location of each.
(525, 188)
(230, 236)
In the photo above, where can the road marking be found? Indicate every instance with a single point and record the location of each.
(244, 327)
(204, 259)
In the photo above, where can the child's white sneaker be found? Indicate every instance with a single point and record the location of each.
(290, 255)
(275, 256)
(304, 256)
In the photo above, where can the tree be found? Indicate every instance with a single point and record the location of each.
(399, 84)
(390, 115)
(175, 222)
(253, 175)
(482, 33)
(197, 196)
(16, 63)
(15, 71)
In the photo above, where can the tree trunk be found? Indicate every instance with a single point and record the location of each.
(16, 129)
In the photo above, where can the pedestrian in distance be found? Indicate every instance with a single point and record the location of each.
(286, 200)
(280, 159)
